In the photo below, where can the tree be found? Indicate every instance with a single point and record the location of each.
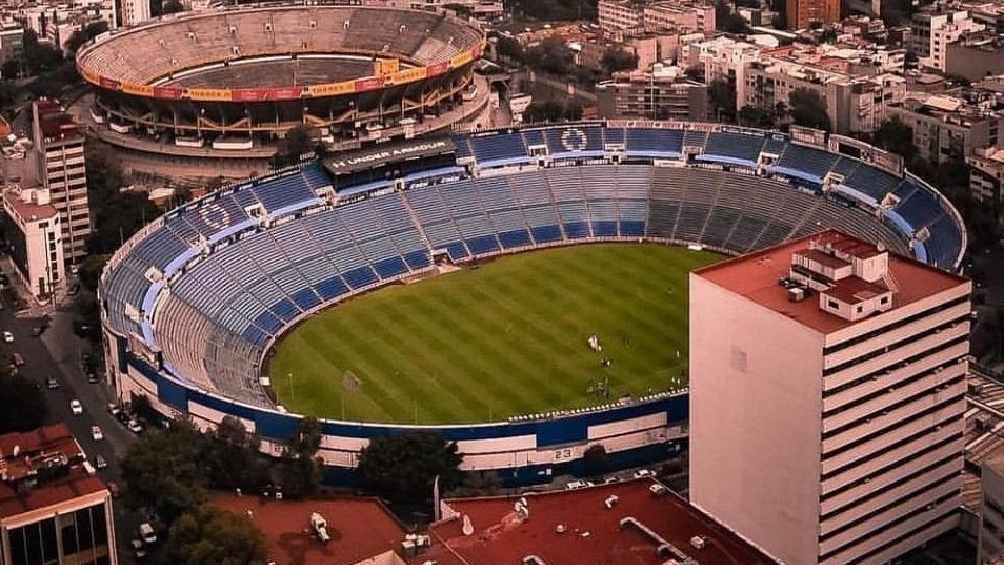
(557, 10)
(210, 536)
(231, 457)
(552, 56)
(509, 48)
(808, 110)
(617, 59)
(117, 215)
(172, 7)
(89, 271)
(298, 471)
(728, 21)
(163, 472)
(751, 116)
(403, 467)
(87, 33)
(595, 460)
(722, 96)
(895, 136)
(24, 406)
(294, 145)
(828, 35)
(552, 111)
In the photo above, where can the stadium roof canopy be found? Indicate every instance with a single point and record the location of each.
(364, 159)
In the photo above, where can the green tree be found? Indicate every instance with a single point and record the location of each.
(172, 7)
(296, 143)
(403, 467)
(751, 116)
(23, 402)
(895, 136)
(552, 56)
(828, 35)
(87, 33)
(552, 111)
(231, 457)
(89, 271)
(557, 10)
(728, 21)
(722, 96)
(618, 59)
(299, 471)
(210, 536)
(808, 110)
(163, 472)
(595, 460)
(509, 48)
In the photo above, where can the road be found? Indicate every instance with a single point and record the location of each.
(56, 353)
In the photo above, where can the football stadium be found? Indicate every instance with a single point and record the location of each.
(227, 84)
(522, 291)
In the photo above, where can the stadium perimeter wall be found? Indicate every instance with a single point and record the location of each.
(521, 453)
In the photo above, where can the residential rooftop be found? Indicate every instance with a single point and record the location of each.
(576, 527)
(756, 276)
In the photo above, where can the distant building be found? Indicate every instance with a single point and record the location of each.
(800, 14)
(11, 42)
(640, 16)
(932, 32)
(59, 150)
(32, 227)
(986, 178)
(724, 59)
(52, 510)
(976, 56)
(947, 127)
(861, 357)
(658, 94)
(134, 12)
(991, 541)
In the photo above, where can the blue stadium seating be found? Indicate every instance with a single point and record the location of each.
(499, 147)
(734, 147)
(873, 182)
(663, 142)
(814, 163)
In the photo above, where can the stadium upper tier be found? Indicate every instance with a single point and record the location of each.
(209, 286)
(143, 60)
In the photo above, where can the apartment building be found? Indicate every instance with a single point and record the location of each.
(947, 127)
(32, 227)
(986, 177)
(800, 14)
(640, 16)
(11, 41)
(852, 84)
(859, 357)
(134, 12)
(662, 93)
(59, 151)
(991, 536)
(52, 510)
(932, 32)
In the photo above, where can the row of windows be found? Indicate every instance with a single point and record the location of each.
(38, 543)
(850, 505)
(895, 386)
(949, 514)
(892, 523)
(901, 443)
(895, 345)
(956, 399)
(906, 498)
(898, 324)
(874, 375)
(905, 401)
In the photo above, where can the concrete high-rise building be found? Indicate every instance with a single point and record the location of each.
(932, 32)
(134, 12)
(827, 393)
(657, 94)
(33, 229)
(59, 150)
(799, 14)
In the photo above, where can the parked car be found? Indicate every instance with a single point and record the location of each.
(100, 462)
(134, 426)
(8, 337)
(17, 359)
(641, 473)
(576, 485)
(76, 407)
(113, 408)
(51, 383)
(93, 378)
(96, 433)
(139, 550)
(148, 534)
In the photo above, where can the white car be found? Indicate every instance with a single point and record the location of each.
(134, 427)
(96, 433)
(641, 473)
(148, 534)
(8, 337)
(76, 407)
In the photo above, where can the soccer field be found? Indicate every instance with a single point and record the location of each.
(505, 338)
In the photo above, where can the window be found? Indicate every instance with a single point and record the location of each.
(833, 304)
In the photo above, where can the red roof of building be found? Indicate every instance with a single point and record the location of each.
(756, 275)
(32, 449)
(29, 211)
(360, 527)
(592, 532)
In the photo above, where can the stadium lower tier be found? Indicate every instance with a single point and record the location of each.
(192, 304)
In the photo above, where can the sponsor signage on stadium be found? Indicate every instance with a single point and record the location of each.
(361, 160)
(437, 69)
(407, 75)
(139, 89)
(210, 94)
(369, 83)
(334, 89)
(168, 92)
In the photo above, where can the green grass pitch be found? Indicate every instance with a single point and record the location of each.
(506, 338)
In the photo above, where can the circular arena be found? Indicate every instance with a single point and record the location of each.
(193, 305)
(230, 82)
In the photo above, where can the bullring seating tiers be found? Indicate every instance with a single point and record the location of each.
(146, 54)
(245, 282)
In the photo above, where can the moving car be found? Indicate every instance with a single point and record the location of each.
(138, 549)
(96, 433)
(76, 407)
(92, 378)
(51, 383)
(134, 427)
(641, 473)
(8, 337)
(101, 463)
(148, 534)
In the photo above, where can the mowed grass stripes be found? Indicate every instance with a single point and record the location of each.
(506, 338)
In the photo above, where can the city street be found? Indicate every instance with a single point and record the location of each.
(56, 353)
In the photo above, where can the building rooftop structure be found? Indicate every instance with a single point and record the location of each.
(637, 522)
(855, 274)
(55, 123)
(359, 527)
(962, 106)
(42, 468)
(26, 204)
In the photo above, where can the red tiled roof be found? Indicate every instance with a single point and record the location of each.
(360, 527)
(593, 533)
(48, 438)
(77, 483)
(756, 275)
